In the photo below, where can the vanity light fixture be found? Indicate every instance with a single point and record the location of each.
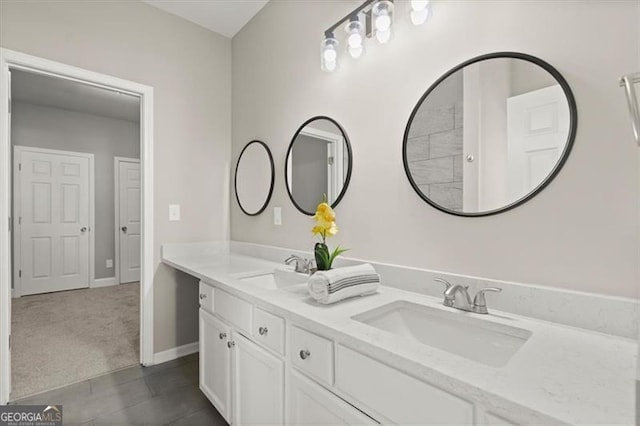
(373, 18)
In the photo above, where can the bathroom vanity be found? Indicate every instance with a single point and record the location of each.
(270, 354)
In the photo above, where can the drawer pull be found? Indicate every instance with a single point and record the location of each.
(222, 336)
(203, 296)
(263, 331)
(231, 344)
(304, 354)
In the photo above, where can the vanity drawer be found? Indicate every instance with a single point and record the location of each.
(312, 354)
(206, 296)
(268, 330)
(398, 397)
(233, 309)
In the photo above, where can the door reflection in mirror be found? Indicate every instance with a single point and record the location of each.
(489, 134)
(318, 164)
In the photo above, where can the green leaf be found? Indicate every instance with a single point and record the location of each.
(337, 252)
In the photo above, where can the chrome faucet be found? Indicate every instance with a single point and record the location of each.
(304, 266)
(479, 304)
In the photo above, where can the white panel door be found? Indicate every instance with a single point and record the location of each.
(53, 196)
(311, 404)
(215, 363)
(129, 221)
(537, 130)
(258, 384)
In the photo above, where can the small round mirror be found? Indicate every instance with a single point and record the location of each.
(254, 178)
(318, 164)
(490, 134)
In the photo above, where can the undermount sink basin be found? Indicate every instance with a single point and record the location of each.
(463, 334)
(276, 280)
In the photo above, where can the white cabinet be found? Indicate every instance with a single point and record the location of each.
(310, 404)
(215, 363)
(258, 384)
(398, 397)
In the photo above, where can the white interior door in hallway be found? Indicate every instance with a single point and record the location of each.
(128, 219)
(53, 202)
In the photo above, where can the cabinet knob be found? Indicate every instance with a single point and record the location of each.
(231, 344)
(304, 354)
(222, 336)
(203, 296)
(263, 331)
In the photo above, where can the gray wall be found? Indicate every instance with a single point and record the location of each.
(580, 233)
(189, 68)
(52, 128)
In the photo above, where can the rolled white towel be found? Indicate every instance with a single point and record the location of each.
(340, 283)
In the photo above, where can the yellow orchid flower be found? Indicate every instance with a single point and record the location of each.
(325, 226)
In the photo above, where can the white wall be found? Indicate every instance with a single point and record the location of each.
(54, 128)
(189, 68)
(580, 233)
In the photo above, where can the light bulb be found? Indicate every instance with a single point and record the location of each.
(355, 40)
(355, 51)
(383, 36)
(419, 5)
(330, 55)
(383, 22)
(419, 17)
(330, 65)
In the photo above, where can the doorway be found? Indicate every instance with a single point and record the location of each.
(12, 61)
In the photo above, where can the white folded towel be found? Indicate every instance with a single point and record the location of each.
(340, 283)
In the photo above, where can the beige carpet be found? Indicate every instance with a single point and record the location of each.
(65, 337)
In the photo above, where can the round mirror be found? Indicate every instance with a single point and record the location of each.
(318, 163)
(489, 134)
(254, 178)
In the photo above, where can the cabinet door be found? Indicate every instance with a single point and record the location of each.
(215, 363)
(310, 404)
(258, 384)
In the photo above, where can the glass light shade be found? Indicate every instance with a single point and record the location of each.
(329, 53)
(383, 20)
(355, 30)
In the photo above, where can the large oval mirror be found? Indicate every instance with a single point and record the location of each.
(254, 178)
(490, 134)
(318, 163)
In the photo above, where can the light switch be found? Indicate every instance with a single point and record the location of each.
(174, 212)
(109, 263)
(277, 215)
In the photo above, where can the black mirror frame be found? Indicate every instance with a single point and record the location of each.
(350, 162)
(573, 116)
(273, 177)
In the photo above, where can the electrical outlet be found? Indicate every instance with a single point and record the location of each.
(174, 212)
(109, 263)
(277, 215)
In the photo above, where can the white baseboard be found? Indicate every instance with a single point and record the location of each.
(104, 282)
(174, 353)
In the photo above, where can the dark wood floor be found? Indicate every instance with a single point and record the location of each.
(164, 394)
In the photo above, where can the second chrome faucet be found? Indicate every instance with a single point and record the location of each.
(457, 296)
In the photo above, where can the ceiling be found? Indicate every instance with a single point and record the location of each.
(225, 17)
(53, 92)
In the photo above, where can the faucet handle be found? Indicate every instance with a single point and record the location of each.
(480, 303)
(447, 284)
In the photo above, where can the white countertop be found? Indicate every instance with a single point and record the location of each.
(561, 374)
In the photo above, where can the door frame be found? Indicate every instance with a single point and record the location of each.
(10, 59)
(116, 204)
(17, 228)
